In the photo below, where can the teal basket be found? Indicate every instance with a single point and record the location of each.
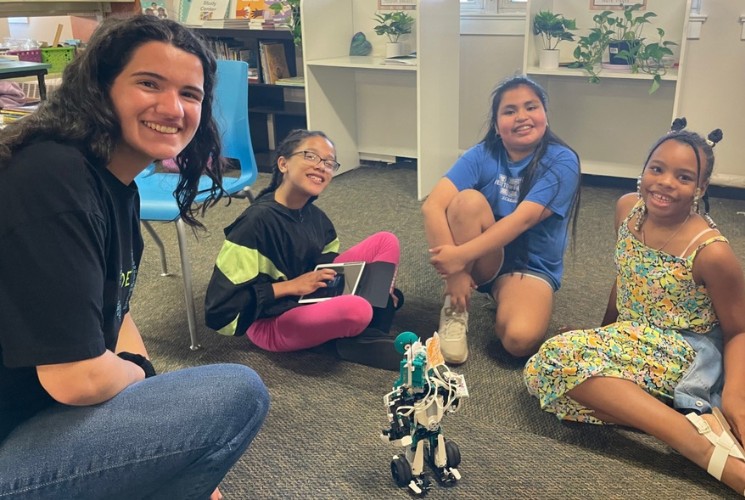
(58, 57)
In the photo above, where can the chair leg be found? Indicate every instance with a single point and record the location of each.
(188, 292)
(159, 244)
(245, 193)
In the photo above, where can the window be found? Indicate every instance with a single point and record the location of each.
(491, 6)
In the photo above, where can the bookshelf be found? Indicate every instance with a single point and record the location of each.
(381, 112)
(273, 110)
(612, 123)
(31, 8)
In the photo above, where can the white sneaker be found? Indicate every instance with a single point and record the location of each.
(453, 330)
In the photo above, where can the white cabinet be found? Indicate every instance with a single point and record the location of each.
(611, 124)
(376, 111)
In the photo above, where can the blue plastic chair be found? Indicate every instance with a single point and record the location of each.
(157, 202)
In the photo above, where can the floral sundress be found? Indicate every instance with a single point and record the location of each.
(656, 298)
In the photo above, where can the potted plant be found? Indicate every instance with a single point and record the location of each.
(626, 37)
(553, 29)
(393, 25)
(295, 27)
(588, 55)
(651, 59)
(622, 36)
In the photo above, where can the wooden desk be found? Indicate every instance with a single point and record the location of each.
(16, 69)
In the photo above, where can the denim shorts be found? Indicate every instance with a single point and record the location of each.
(701, 386)
(488, 287)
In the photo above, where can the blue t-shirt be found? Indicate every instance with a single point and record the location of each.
(554, 187)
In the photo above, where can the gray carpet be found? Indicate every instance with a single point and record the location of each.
(321, 437)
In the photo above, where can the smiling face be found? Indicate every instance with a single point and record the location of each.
(158, 100)
(302, 179)
(670, 179)
(521, 121)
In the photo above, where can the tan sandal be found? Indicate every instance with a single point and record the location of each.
(725, 444)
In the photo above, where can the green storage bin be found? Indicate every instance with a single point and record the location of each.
(58, 57)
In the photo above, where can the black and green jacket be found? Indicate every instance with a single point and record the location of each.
(267, 243)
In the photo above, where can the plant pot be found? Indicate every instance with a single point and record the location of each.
(548, 58)
(622, 52)
(395, 49)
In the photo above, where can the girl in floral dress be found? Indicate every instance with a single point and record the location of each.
(675, 307)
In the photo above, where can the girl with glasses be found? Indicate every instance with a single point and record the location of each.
(269, 258)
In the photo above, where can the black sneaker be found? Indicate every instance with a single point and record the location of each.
(371, 348)
(400, 296)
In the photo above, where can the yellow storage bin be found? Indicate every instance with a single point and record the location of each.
(58, 57)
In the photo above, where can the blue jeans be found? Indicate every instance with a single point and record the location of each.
(702, 384)
(170, 436)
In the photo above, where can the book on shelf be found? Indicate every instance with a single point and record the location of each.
(253, 75)
(250, 9)
(292, 81)
(405, 60)
(280, 17)
(273, 61)
(206, 10)
(225, 23)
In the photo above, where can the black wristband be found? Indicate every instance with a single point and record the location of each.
(140, 361)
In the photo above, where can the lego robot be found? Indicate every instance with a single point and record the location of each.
(424, 392)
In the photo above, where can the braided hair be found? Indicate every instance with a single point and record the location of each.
(699, 145)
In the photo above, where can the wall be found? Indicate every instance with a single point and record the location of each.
(713, 90)
(484, 61)
(83, 27)
(42, 28)
(4, 31)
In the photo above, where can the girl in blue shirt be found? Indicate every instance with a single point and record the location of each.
(498, 221)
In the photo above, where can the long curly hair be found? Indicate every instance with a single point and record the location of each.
(81, 112)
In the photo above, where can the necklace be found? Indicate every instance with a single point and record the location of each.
(675, 233)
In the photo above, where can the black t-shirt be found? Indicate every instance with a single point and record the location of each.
(70, 247)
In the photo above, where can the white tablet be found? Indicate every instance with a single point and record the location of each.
(345, 282)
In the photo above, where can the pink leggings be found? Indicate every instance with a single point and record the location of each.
(313, 324)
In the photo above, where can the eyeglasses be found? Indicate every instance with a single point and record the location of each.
(329, 165)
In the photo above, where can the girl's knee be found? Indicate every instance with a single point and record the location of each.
(354, 309)
(388, 240)
(387, 237)
(469, 208)
(468, 202)
(520, 342)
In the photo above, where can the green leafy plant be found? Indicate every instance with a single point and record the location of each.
(590, 48)
(626, 27)
(553, 28)
(295, 26)
(393, 24)
(650, 57)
